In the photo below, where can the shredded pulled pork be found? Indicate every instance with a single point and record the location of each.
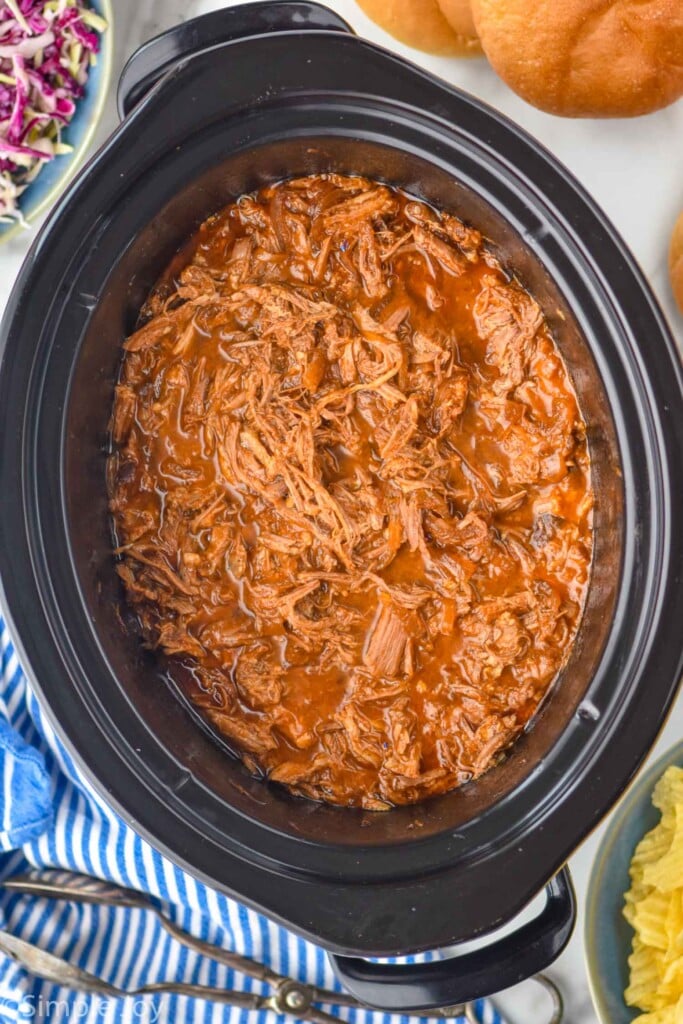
(351, 489)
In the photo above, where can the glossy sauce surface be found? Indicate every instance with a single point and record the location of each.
(351, 489)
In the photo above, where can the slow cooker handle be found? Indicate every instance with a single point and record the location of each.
(154, 59)
(460, 979)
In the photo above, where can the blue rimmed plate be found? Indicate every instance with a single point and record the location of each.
(54, 176)
(608, 936)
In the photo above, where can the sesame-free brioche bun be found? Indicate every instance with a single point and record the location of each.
(459, 16)
(419, 23)
(586, 58)
(676, 262)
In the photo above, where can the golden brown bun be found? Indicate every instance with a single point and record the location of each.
(676, 262)
(459, 16)
(418, 23)
(586, 58)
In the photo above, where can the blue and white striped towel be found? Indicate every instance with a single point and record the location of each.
(51, 817)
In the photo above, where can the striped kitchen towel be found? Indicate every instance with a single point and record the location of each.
(51, 817)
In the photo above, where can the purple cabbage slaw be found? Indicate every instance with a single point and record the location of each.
(46, 50)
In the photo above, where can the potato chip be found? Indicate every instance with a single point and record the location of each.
(666, 873)
(647, 968)
(674, 923)
(665, 1016)
(653, 846)
(649, 921)
(631, 901)
(653, 907)
(638, 890)
(672, 979)
(669, 790)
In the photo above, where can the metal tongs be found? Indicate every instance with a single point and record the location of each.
(290, 997)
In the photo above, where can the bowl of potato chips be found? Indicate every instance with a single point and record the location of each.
(634, 906)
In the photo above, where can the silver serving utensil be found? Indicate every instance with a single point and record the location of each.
(290, 997)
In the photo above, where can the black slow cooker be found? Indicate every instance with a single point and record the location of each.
(243, 97)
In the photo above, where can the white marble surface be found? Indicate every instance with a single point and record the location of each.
(634, 169)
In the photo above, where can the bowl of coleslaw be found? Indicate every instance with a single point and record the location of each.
(55, 70)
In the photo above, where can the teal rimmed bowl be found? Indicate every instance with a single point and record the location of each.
(53, 178)
(608, 936)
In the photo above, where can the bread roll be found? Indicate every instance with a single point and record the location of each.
(459, 16)
(676, 262)
(419, 23)
(586, 58)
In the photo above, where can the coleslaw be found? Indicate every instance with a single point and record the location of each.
(46, 52)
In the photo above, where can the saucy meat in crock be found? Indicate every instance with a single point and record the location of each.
(351, 490)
